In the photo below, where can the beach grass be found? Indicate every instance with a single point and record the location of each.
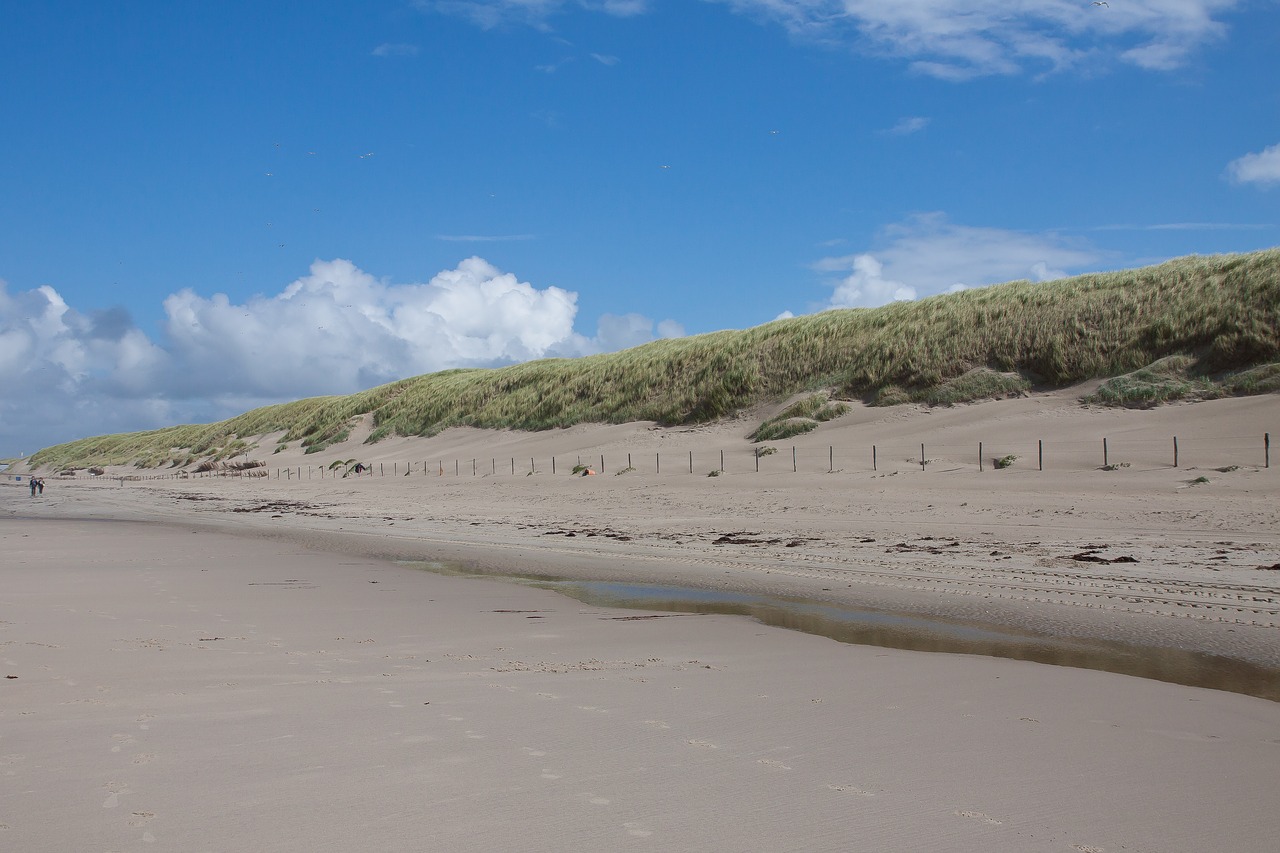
(1195, 325)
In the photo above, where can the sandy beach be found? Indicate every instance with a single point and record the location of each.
(217, 663)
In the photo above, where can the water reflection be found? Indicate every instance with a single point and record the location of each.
(923, 633)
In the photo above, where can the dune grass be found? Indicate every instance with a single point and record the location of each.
(1221, 313)
(800, 417)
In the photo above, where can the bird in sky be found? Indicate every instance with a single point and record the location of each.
(1102, 3)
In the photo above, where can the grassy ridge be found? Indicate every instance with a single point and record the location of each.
(1221, 312)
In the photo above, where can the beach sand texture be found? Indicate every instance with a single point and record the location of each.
(219, 664)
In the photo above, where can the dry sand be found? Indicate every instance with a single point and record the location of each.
(227, 663)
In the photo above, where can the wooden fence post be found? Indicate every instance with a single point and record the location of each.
(690, 461)
(1175, 451)
(794, 469)
(922, 462)
(1266, 449)
(873, 458)
(1105, 462)
(1040, 451)
(979, 457)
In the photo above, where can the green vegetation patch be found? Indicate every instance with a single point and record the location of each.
(981, 383)
(800, 417)
(1159, 382)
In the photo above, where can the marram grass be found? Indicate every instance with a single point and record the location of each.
(1221, 312)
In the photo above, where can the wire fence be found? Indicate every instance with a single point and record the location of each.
(1025, 455)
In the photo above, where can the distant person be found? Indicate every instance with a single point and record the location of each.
(40, 485)
(32, 481)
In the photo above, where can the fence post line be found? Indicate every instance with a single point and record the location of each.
(601, 463)
(721, 461)
(553, 466)
(395, 469)
(532, 469)
(1175, 451)
(473, 466)
(1105, 463)
(457, 470)
(756, 451)
(493, 465)
(922, 456)
(1040, 451)
(628, 460)
(831, 458)
(873, 458)
(979, 457)
(513, 466)
(1266, 449)
(794, 468)
(657, 462)
(690, 461)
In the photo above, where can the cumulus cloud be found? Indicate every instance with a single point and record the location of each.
(957, 40)
(928, 254)
(335, 330)
(1262, 168)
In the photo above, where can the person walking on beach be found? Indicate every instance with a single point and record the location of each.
(32, 481)
(40, 485)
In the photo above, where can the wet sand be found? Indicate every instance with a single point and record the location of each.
(182, 689)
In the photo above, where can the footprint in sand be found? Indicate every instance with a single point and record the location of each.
(597, 801)
(113, 799)
(1088, 848)
(551, 776)
(705, 744)
(657, 724)
(636, 830)
(593, 708)
(853, 789)
(473, 736)
(536, 753)
(772, 763)
(979, 816)
(548, 696)
(141, 818)
(144, 758)
(121, 741)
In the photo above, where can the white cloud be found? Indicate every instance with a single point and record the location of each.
(927, 255)
(335, 330)
(866, 285)
(396, 50)
(909, 125)
(1260, 168)
(958, 40)
(489, 14)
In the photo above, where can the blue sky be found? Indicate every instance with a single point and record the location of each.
(213, 206)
